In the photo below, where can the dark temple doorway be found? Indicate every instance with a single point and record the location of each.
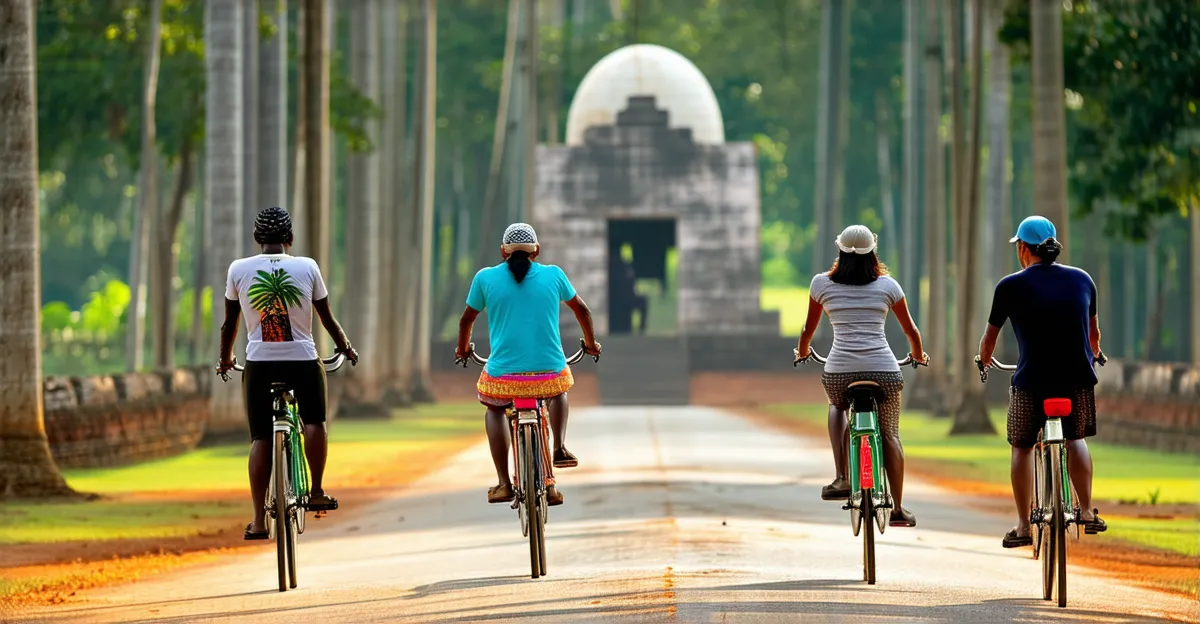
(641, 276)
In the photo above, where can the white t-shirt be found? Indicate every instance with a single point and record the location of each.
(857, 314)
(276, 292)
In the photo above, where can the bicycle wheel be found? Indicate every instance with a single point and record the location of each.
(1059, 525)
(1045, 525)
(279, 506)
(1035, 525)
(868, 511)
(528, 475)
(542, 505)
(292, 526)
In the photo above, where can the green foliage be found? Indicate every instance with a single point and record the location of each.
(1131, 70)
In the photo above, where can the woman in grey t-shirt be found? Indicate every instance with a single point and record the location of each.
(857, 294)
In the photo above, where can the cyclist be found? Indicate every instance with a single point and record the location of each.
(857, 293)
(278, 293)
(522, 298)
(1053, 311)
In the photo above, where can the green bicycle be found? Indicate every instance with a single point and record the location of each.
(870, 498)
(287, 498)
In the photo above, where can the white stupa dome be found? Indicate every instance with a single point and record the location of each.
(647, 70)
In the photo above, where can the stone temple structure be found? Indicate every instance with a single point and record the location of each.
(646, 152)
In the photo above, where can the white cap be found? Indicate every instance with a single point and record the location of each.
(520, 237)
(857, 239)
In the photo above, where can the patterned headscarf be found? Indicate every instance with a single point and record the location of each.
(520, 237)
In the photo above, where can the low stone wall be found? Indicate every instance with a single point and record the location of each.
(1149, 404)
(123, 419)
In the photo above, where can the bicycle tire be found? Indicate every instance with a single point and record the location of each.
(292, 526)
(868, 506)
(1035, 528)
(1046, 486)
(1060, 524)
(278, 480)
(530, 495)
(540, 478)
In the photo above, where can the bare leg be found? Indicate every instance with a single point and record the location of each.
(839, 429)
(1079, 466)
(1022, 485)
(260, 480)
(316, 449)
(559, 408)
(893, 463)
(499, 440)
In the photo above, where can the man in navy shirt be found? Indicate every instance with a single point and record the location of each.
(1052, 307)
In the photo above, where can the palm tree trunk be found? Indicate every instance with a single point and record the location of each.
(408, 332)
(391, 94)
(1153, 301)
(363, 223)
(250, 78)
(1194, 281)
(883, 161)
(223, 173)
(1049, 116)
(833, 14)
(487, 227)
(958, 150)
(395, 123)
(553, 96)
(199, 268)
(424, 387)
(971, 415)
(167, 260)
(26, 466)
(316, 132)
(147, 195)
(531, 107)
(300, 132)
(999, 94)
(912, 167)
(272, 164)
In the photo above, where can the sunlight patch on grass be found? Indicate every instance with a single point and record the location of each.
(792, 304)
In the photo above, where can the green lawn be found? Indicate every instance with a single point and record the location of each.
(792, 303)
(1121, 473)
(354, 447)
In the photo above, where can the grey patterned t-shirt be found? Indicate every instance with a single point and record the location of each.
(857, 314)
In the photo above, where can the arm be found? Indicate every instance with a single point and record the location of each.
(229, 329)
(335, 329)
(987, 344)
(996, 319)
(463, 348)
(1094, 336)
(910, 330)
(810, 327)
(584, 315)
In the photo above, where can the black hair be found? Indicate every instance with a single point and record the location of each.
(519, 263)
(273, 226)
(1046, 251)
(854, 269)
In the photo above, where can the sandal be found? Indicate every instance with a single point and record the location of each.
(1095, 525)
(829, 493)
(321, 502)
(501, 493)
(553, 496)
(564, 459)
(1012, 540)
(903, 518)
(251, 534)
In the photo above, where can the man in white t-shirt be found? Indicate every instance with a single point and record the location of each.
(278, 293)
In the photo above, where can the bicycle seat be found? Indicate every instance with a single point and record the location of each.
(279, 385)
(864, 384)
(864, 391)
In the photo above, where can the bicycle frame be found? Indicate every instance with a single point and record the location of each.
(865, 450)
(287, 420)
(1052, 440)
(537, 420)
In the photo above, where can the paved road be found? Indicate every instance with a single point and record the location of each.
(688, 515)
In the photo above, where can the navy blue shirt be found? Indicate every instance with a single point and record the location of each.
(1051, 307)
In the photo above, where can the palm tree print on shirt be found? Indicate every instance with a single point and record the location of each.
(271, 295)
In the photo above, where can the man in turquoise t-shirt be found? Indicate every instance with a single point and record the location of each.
(522, 298)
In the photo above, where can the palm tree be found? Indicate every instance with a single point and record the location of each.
(271, 295)
(273, 111)
(835, 20)
(143, 217)
(971, 414)
(912, 166)
(26, 466)
(1049, 115)
(223, 171)
(423, 390)
(397, 221)
(999, 95)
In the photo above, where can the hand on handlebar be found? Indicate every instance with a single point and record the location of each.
(224, 366)
(923, 360)
(350, 354)
(591, 349)
(461, 356)
(800, 359)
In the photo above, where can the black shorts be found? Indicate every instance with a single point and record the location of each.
(306, 378)
(1026, 415)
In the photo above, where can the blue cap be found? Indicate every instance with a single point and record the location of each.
(1034, 230)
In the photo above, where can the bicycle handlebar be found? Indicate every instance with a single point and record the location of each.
(472, 356)
(1100, 359)
(909, 360)
(331, 364)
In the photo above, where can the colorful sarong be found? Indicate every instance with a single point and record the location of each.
(500, 391)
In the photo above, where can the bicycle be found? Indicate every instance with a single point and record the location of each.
(287, 498)
(869, 494)
(531, 456)
(1053, 507)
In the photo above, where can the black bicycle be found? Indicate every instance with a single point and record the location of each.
(1053, 509)
(288, 497)
(534, 469)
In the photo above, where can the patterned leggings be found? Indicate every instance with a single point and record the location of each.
(889, 410)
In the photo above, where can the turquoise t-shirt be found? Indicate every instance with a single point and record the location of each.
(522, 318)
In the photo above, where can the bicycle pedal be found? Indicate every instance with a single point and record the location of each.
(847, 507)
(317, 515)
